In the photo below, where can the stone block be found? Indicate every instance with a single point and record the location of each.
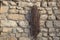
(24, 38)
(19, 29)
(57, 24)
(51, 17)
(49, 24)
(7, 30)
(2, 16)
(13, 10)
(24, 24)
(4, 9)
(8, 23)
(16, 17)
(43, 17)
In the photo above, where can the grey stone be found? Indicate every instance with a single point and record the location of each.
(58, 17)
(1, 38)
(14, 30)
(57, 24)
(43, 17)
(45, 34)
(19, 29)
(38, 4)
(24, 38)
(22, 4)
(51, 17)
(56, 38)
(44, 38)
(44, 4)
(52, 34)
(50, 38)
(22, 12)
(23, 23)
(58, 34)
(52, 30)
(49, 24)
(24, 34)
(52, 4)
(57, 12)
(44, 30)
(18, 35)
(57, 30)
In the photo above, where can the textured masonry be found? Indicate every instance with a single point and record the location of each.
(15, 26)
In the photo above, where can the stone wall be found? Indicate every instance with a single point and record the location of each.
(15, 26)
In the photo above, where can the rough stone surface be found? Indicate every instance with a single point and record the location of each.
(15, 17)
(8, 23)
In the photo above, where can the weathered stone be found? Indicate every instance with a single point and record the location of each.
(52, 30)
(56, 38)
(4, 9)
(33, 1)
(13, 7)
(12, 3)
(50, 12)
(57, 30)
(8, 23)
(57, 12)
(19, 29)
(42, 23)
(45, 34)
(44, 4)
(52, 34)
(22, 4)
(58, 17)
(56, 23)
(38, 4)
(23, 23)
(12, 38)
(42, 10)
(28, 0)
(29, 4)
(7, 29)
(48, 8)
(3, 34)
(13, 11)
(49, 24)
(39, 35)
(2, 16)
(43, 17)
(16, 17)
(14, 30)
(51, 4)
(26, 30)
(22, 11)
(18, 34)
(55, 8)
(24, 34)
(58, 34)
(44, 30)
(19, 8)
(24, 38)
(5, 3)
(1, 38)
(50, 38)
(51, 17)
(44, 38)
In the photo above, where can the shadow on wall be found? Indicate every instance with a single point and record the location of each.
(33, 18)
